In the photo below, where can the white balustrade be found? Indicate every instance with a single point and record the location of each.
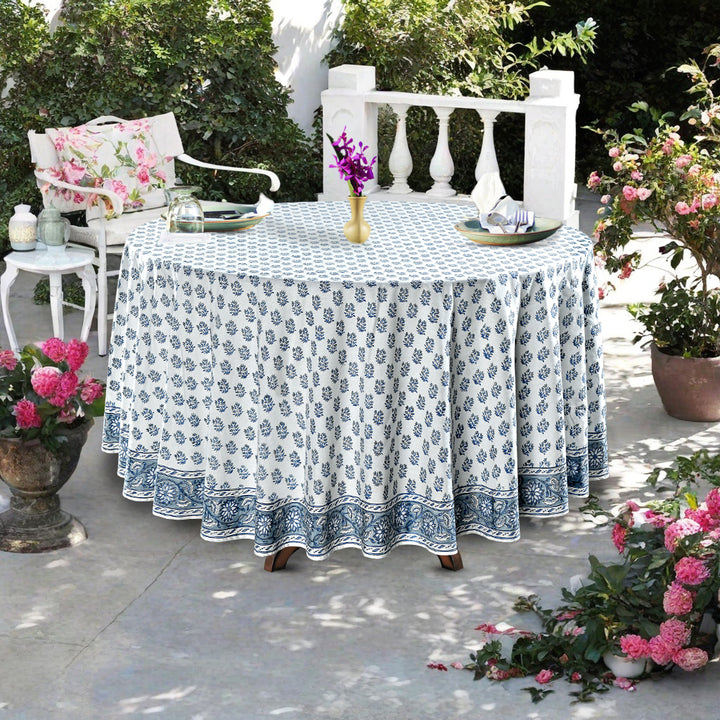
(351, 102)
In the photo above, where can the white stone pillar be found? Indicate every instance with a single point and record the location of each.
(344, 107)
(549, 187)
(442, 166)
(400, 161)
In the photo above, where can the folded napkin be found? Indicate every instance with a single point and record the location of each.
(505, 217)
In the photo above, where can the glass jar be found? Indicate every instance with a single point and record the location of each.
(184, 213)
(22, 229)
(53, 229)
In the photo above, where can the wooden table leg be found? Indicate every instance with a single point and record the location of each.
(451, 562)
(278, 561)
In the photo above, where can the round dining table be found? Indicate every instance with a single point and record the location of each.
(283, 385)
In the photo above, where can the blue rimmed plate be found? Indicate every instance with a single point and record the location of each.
(542, 228)
(227, 217)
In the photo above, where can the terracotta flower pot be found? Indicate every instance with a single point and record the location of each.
(34, 474)
(688, 387)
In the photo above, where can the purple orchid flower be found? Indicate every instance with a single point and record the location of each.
(352, 165)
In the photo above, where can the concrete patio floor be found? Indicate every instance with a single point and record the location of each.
(146, 619)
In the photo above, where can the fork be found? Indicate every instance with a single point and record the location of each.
(522, 217)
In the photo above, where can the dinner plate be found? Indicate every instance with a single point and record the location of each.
(542, 228)
(225, 217)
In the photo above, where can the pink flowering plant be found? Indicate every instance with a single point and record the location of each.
(672, 183)
(657, 603)
(42, 391)
(351, 163)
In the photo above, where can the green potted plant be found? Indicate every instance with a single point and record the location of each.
(672, 184)
(643, 614)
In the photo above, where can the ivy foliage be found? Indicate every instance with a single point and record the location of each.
(208, 61)
(460, 47)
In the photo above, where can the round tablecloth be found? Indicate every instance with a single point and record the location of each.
(285, 385)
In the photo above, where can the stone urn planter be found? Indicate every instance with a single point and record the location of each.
(688, 387)
(35, 522)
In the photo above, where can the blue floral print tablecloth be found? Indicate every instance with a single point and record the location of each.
(284, 385)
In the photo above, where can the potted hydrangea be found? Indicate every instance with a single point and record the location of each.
(673, 184)
(650, 611)
(46, 410)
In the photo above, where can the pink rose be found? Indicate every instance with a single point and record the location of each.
(544, 677)
(643, 193)
(593, 180)
(614, 152)
(636, 175)
(691, 571)
(74, 173)
(605, 199)
(690, 658)
(629, 193)
(26, 414)
(682, 208)
(617, 166)
(709, 201)
(143, 175)
(683, 161)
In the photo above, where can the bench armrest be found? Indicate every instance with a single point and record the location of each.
(274, 180)
(114, 198)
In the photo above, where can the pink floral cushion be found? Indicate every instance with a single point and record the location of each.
(122, 157)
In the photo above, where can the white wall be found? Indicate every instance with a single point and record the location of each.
(302, 31)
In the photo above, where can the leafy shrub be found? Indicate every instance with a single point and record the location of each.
(463, 47)
(208, 61)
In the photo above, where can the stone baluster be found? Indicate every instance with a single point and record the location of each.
(400, 161)
(441, 165)
(487, 172)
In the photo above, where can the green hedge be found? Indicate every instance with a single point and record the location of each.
(208, 61)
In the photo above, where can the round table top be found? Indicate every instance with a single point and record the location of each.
(56, 260)
(409, 242)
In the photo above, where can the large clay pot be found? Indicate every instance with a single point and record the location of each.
(34, 474)
(688, 387)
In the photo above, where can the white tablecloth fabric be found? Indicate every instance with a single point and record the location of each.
(285, 385)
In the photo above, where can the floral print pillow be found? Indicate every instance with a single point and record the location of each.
(121, 157)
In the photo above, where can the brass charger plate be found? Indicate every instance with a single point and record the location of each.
(542, 228)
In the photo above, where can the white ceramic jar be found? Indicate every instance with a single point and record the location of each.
(22, 229)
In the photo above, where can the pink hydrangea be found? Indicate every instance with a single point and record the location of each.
(660, 651)
(26, 414)
(65, 390)
(702, 517)
(677, 600)
(690, 658)
(679, 529)
(675, 633)
(713, 502)
(90, 390)
(656, 519)
(76, 353)
(544, 677)
(45, 381)
(618, 537)
(691, 571)
(634, 646)
(54, 348)
(8, 359)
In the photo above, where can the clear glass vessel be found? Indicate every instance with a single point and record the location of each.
(184, 213)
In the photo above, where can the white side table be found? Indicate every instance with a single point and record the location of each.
(54, 264)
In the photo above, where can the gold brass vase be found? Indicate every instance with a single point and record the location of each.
(356, 229)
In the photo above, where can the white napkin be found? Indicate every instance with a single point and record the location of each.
(508, 208)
